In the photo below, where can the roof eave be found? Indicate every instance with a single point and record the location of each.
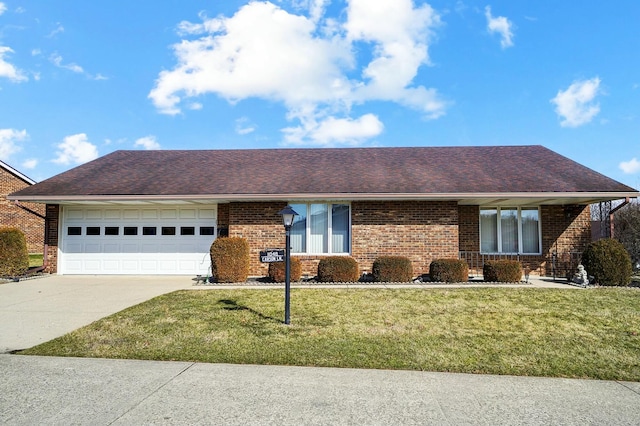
(484, 198)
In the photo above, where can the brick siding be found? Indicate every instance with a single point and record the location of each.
(261, 225)
(420, 230)
(51, 237)
(564, 229)
(13, 216)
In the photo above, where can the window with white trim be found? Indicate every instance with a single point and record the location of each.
(510, 230)
(321, 228)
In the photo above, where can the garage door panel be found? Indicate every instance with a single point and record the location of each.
(92, 248)
(74, 247)
(184, 253)
(111, 248)
(130, 248)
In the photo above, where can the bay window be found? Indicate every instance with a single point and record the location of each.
(321, 228)
(510, 230)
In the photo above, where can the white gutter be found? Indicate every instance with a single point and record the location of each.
(594, 196)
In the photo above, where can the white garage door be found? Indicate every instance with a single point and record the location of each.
(132, 240)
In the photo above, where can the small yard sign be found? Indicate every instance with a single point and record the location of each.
(272, 255)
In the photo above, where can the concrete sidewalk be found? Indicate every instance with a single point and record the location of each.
(63, 391)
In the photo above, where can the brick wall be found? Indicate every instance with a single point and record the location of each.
(51, 237)
(564, 229)
(12, 215)
(261, 225)
(419, 230)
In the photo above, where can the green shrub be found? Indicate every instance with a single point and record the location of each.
(449, 270)
(230, 259)
(502, 271)
(277, 270)
(14, 256)
(608, 262)
(392, 269)
(339, 269)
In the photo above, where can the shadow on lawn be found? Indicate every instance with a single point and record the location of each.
(232, 305)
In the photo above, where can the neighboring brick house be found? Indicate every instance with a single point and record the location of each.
(157, 212)
(28, 217)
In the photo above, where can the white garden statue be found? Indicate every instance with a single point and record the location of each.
(581, 277)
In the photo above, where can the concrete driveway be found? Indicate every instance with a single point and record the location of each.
(37, 310)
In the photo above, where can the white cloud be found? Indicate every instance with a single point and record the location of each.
(57, 61)
(59, 29)
(3, 8)
(9, 139)
(31, 163)
(630, 167)
(307, 63)
(75, 149)
(147, 142)
(332, 131)
(8, 70)
(500, 25)
(575, 105)
(244, 126)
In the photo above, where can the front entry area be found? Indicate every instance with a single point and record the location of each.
(158, 240)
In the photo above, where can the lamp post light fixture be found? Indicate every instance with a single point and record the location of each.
(288, 214)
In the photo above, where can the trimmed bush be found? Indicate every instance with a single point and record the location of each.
(392, 269)
(339, 269)
(14, 256)
(449, 270)
(277, 270)
(502, 271)
(608, 262)
(230, 259)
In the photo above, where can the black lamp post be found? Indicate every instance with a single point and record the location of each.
(288, 215)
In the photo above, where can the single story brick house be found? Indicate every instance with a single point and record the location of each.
(157, 212)
(27, 217)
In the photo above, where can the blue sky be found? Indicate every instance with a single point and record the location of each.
(80, 79)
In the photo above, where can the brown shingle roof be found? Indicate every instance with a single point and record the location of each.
(272, 172)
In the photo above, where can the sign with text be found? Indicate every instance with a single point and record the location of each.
(272, 255)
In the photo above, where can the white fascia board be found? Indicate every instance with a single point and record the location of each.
(577, 197)
(17, 173)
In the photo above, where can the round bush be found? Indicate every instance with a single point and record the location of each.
(230, 259)
(277, 271)
(449, 271)
(338, 269)
(502, 271)
(14, 256)
(396, 269)
(608, 262)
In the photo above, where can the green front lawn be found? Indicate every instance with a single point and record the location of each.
(591, 333)
(35, 260)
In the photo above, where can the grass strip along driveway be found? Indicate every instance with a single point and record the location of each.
(538, 332)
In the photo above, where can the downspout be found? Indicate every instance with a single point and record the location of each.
(611, 213)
